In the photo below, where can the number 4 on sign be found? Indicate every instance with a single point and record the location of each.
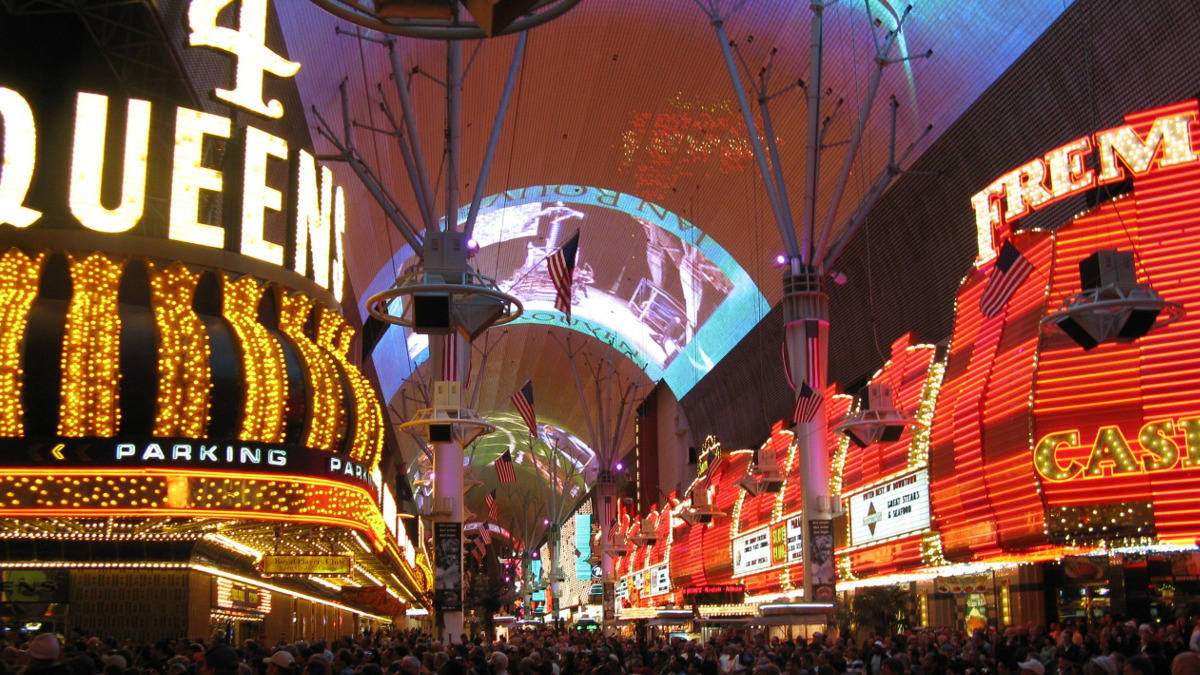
(249, 44)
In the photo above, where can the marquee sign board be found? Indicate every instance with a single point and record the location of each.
(897, 507)
(309, 565)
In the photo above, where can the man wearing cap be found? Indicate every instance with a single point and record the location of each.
(1032, 667)
(44, 651)
(281, 663)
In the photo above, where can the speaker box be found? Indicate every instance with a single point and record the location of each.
(1106, 267)
(891, 434)
(431, 313)
(854, 438)
(441, 433)
(1139, 323)
(1078, 332)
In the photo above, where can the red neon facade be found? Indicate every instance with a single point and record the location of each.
(1032, 445)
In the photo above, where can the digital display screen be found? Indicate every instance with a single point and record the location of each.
(646, 281)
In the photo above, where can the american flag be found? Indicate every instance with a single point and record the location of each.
(484, 535)
(480, 546)
(450, 358)
(812, 345)
(808, 402)
(523, 401)
(562, 267)
(493, 508)
(1010, 272)
(504, 468)
(450, 345)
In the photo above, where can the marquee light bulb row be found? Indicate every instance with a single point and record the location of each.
(18, 287)
(90, 362)
(328, 418)
(73, 495)
(184, 375)
(263, 367)
(334, 334)
(91, 350)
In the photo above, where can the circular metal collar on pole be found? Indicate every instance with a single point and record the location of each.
(358, 13)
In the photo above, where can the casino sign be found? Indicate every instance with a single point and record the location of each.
(186, 363)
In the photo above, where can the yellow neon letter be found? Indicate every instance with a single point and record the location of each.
(190, 176)
(986, 204)
(1066, 168)
(87, 165)
(1024, 189)
(20, 153)
(339, 232)
(1044, 456)
(1173, 132)
(1154, 437)
(248, 45)
(314, 218)
(1110, 447)
(257, 195)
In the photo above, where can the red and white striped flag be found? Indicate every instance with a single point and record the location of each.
(493, 508)
(480, 546)
(523, 401)
(812, 349)
(562, 268)
(484, 534)
(450, 358)
(504, 468)
(1010, 272)
(808, 402)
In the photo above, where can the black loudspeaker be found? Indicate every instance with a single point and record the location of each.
(891, 434)
(854, 438)
(1106, 267)
(1139, 323)
(441, 433)
(693, 456)
(431, 313)
(1077, 332)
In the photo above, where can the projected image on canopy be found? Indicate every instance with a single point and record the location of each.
(630, 274)
(647, 281)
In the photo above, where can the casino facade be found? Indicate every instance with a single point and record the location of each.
(189, 446)
(1043, 475)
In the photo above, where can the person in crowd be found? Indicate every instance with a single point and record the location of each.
(1186, 663)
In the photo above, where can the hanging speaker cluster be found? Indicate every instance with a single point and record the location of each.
(763, 476)
(646, 534)
(1112, 306)
(878, 421)
(701, 512)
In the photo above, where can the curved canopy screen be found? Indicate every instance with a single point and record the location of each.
(647, 281)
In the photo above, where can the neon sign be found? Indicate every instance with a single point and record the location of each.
(314, 207)
(1112, 453)
(1063, 172)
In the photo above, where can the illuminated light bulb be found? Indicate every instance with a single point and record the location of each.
(20, 157)
(265, 373)
(189, 176)
(88, 403)
(18, 288)
(327, 419)
(87, 165)
(1172, 132)
(184, 373)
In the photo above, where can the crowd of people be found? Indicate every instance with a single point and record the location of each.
(1113, 648)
